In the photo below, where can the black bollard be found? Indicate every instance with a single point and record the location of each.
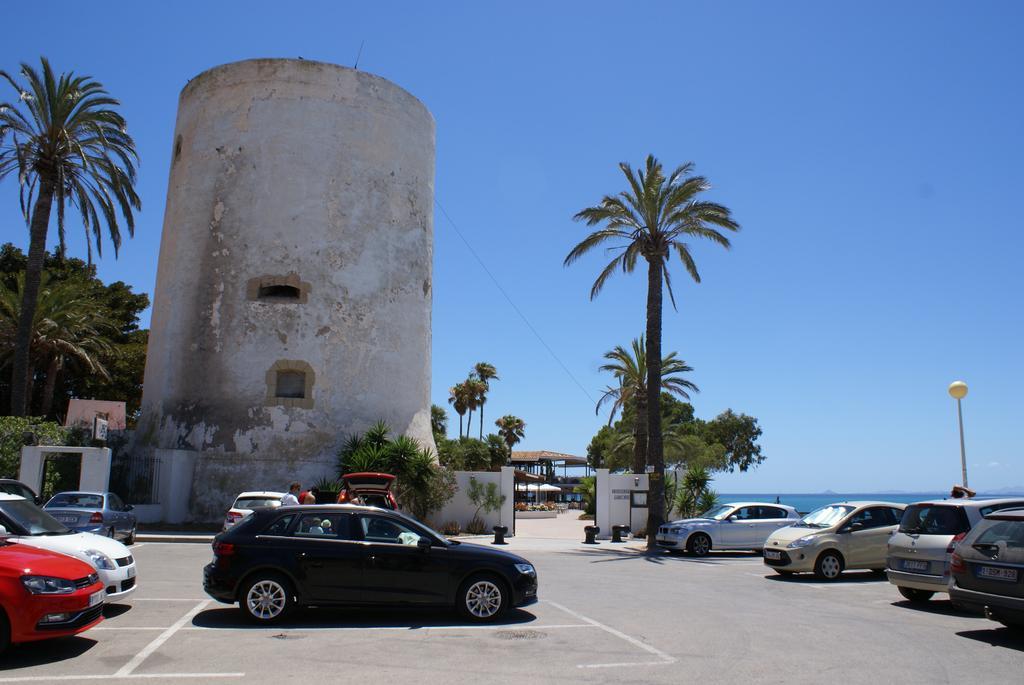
(617, 532)
(591, 532)
(499, 535)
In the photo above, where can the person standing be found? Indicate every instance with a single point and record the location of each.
(291, 497)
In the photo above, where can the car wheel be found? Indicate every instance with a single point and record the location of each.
(483, 598)
(699, 545)
(5, 632)
(130, 540)
(829, 566)
(266, 598)
(914, 595)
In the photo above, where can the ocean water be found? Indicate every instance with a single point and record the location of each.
(807, 502)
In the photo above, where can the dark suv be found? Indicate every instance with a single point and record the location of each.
(351, 555)
(988, 568)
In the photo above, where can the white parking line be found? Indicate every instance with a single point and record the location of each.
(53, 678)
(665, 658)
(300, 629)
(163, 637)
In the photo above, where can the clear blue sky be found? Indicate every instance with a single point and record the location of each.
(871, 150)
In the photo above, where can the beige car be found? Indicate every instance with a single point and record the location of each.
(835, 538)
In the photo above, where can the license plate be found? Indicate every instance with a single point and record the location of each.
(131, 572)
(996, 573)
(97, 597)
(67, 519)
(772, 554)
(910, 565)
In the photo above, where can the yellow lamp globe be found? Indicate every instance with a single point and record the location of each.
(958, 390)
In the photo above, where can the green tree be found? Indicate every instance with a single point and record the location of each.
(486, 497)
(69, 328)
(485, 373)
(652, 219)
(438, 423)
(692, 494)
(630, 371)
(424, 487)
(512, 429)
(68, 146)
(458, 397)
(588, 488)
(475, 390)
(125, 353)
(737, 434)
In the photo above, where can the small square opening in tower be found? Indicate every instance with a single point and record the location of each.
(291, 384)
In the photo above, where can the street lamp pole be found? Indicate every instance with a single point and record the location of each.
(958, 390)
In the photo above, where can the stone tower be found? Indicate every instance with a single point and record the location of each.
(293, 294)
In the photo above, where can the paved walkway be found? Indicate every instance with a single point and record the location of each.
(567, 526)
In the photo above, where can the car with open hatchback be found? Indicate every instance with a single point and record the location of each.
(348, 555)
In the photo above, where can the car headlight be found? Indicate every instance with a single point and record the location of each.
(802, 542)
(526, 569)
(100, 560)
(45, 585)
(676, 530)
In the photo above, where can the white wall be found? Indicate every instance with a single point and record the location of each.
(613, 496)
(461, 509)
(94, 475)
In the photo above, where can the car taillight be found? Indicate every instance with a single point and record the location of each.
(233, 516)
(956, 564)
(96, 517)
(344, 497)
(955, 541)
(223, 549)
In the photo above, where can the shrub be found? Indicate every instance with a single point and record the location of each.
(487, 497)
(476, 526)
(451, 528)
(588, 488)
(424, 487)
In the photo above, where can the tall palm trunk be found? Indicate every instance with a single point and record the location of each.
(640, 436)
(30, 296)
(481, 419)
(51, 383)
(655, 456)
(460, 426)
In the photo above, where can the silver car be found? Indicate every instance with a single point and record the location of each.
(919, 551)
(739, 525)
(102, 513)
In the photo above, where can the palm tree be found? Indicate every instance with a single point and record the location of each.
(68, 146)
(630, 370)
(511, 429)
(68, 326)
(652, 219)
(485, 373)
(457, 398)
(475, 391)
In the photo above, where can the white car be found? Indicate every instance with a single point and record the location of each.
(738, 525)
(247, 501)
(29, 525)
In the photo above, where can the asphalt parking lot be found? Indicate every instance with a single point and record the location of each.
(607, 614)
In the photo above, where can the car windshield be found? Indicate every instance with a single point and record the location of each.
(718, 513)
(256, 502)
(76, 499)
(826, 517)
(31, 519)
(934, 519)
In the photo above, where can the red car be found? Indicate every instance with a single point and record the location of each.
(44, 594)
(370, 489)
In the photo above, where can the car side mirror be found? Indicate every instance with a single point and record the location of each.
(38, 500)
(3, 530)
(129, 507)
(423, 544)
(853, 527)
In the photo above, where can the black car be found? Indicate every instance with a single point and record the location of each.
(988, 568)
(19, 489)
(334, 555)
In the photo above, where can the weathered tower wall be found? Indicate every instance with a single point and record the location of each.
(293, 294)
